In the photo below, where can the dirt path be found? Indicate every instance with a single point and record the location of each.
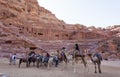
(14, 71)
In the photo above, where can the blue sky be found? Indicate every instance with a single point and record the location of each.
(98, 13)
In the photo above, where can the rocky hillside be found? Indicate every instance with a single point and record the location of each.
(30, 18)
(25, 24)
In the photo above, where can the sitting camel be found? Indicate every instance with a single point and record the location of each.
(96, 59)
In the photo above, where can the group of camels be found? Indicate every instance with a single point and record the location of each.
(63, 56)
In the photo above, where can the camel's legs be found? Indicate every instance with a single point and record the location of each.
(99, 69)
(20, 61)
(38, 63)
(27, 64)
(64, 64)
(95, 68)
(74, 70)
(48, 65)
(84, 62)
(33, 63)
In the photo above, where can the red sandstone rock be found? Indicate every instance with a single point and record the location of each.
(23, 23)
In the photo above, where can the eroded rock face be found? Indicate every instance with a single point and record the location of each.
(30, 18)
(25, 21)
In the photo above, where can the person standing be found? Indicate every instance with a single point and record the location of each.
(13, 58)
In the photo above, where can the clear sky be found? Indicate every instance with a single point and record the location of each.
(98, 13)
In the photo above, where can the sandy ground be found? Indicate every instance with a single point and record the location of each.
(109, 69)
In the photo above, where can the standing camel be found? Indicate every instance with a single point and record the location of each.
(30, 58)
(62, 57)
(96, 59)
(78, 54)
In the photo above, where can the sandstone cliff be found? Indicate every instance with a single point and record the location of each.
(26, 24)
(35, 20)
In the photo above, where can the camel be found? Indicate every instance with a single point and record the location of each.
(77, 55)
(30, 58)
(62, 57)
(96, 59)
(27, 60)
(47, 60)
